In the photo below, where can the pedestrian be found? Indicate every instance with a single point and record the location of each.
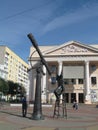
(24, 106)
(75, 105)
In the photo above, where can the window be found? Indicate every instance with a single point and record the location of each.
(80, 81)
(69, 81)
(73, 81)
(53, 74)
(53, 68)
(66, 81)
(93, 80)
(53, 80)
(93, 67)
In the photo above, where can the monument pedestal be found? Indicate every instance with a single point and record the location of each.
(87, 99)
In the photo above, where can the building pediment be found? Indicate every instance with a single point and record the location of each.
(72, 48)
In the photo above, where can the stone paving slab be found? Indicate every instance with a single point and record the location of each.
(8, 126)
(45, 128)
(93, 128)
(39, 128)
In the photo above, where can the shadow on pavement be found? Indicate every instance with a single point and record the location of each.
(5, 112)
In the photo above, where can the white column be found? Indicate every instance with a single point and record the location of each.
(87, 82)
(60, 71)
(77, 97)
(60, 68)
(44, 88)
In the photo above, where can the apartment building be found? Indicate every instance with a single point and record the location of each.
(13, 68)
(78, 64)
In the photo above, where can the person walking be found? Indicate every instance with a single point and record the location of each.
(24, 107)
(75, 105)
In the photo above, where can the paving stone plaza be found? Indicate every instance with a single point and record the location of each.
(85, 118)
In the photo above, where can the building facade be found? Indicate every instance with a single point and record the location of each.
(13, 68)
(78, 64)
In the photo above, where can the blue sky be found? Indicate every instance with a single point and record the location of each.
(52, 22)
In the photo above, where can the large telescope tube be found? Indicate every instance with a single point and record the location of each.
(31, 37)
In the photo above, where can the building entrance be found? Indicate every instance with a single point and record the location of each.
(73, 97)
(67, 97)
(81, 98)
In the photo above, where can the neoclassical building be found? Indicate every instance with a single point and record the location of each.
(79, 65)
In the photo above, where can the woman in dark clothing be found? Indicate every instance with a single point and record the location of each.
(24, 107)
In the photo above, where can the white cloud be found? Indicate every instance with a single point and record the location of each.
(85, 12)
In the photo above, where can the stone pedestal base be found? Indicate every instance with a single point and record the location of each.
(87, 99)
(43, 98)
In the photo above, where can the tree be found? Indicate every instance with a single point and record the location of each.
(11, 88)
(16, 89)
(4, 87)
(23, 91)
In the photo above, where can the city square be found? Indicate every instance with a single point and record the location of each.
(85, 118)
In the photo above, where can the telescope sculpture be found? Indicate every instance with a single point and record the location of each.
(37, 111)
(59, 90)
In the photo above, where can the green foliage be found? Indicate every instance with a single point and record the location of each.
(4, 87)
(9, 87)
(16, 89)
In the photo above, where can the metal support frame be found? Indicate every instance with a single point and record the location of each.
(37, 111)
(60, 109)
